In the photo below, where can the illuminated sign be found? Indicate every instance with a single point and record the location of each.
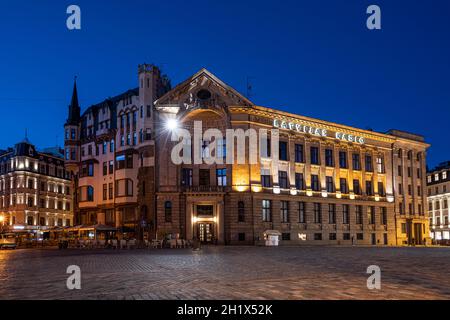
(316, 131)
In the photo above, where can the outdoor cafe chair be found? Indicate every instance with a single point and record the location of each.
(101, 243)
(132, 243)
(123, 244)
(114, 244)
(173, 243)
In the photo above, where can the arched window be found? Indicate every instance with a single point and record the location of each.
(241, 211)
(168, 211)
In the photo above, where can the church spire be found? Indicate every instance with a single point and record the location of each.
(74, 107)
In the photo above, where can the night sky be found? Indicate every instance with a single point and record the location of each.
(314, 58)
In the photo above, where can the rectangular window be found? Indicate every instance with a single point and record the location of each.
(283, 180)
(111, 166)
(330, 184)
(105, 191)
(346, 236)
(267, 210)
(315, 155)
(204, 177)
(383, 215)
(345, 214)
(332, 236)
(343, 185)
(356, 161)
(284, 211)
(371, 215)
(105, 168)
(359, 214)
(317, 236)
(381, 190)
(299, 156)
(403, 227)
(110, 190)
(369, 189)
(265, 178)
(317, 213)
(186, 177)
(299, 181)
(329, 162)
(369, 164)
(343, 159)
(331, 213)
(315, 182)
(380, 164)
(283, 151)
(301, 212)
(356, 186)
(221, 177)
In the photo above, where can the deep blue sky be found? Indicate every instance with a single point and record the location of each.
(314, 58)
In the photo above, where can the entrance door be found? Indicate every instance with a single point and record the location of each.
(418, 233)
(205, 232)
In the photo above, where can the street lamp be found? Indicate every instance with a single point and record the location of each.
(171, 124)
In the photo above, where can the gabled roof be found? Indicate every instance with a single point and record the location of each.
(206, 73)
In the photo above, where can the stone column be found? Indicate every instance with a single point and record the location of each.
(220, 222)
(441, 210)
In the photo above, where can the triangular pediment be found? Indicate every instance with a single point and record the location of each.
(202, 90)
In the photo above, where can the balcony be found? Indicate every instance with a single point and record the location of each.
(204, 189)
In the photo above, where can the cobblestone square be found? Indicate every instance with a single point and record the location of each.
(227, 273)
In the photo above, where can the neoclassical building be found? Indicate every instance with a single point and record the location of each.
(313, 181)
(438, 181)
(35, 189)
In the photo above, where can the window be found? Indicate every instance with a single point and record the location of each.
(315, 155)
(317, 213)
(330, 184)
(104, 147)
(403, 227)
(329, 158)
(221, 177)
(343, 185)
(315, 182)
(331, 213)
(369, 189)
(317, 236)
(359, 214)
(285, 236)
(400, 189)
(284, 211)
(383, 215)
(345, 214)
(343, 159)
(204, 177)
(111, 166)
(444, 175)
(105, 168)
(149, 111)
(111, 146)
(401, 208)
(356, 161)
(381, 190)
(241, 236)
(186, 177)
(283, 151)
(90, 193)
(105, 191)
(380, 164)
(265, 178)
(346, 236)
(299, 181)
(90, 169)
(429, 179)
(168, 211)
(110, 190)
(299, 157)
(267, 210)
(120, 162)
(409, 190)
(282, 179)
(400, 171)
(30, 220)
(301, 212)
(360, 236)
(356, 186)
(332, 236)
(371, 214)
(419, 191)
(408, 170)
(241, 211)
(369, 165)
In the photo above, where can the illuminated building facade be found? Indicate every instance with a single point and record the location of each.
(35, 189)
(314, 182)
(438, 181)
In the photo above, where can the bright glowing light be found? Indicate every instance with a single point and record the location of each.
(338, 195)
(302, 236)
(18, 227)
(377, 198)
(256, 188)
(2, 218)
(172, 124)
(390, 198)
(293, 192)
(309, 193)
(241, 188)
(276, 190)
(324, 194)
(352, 196)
